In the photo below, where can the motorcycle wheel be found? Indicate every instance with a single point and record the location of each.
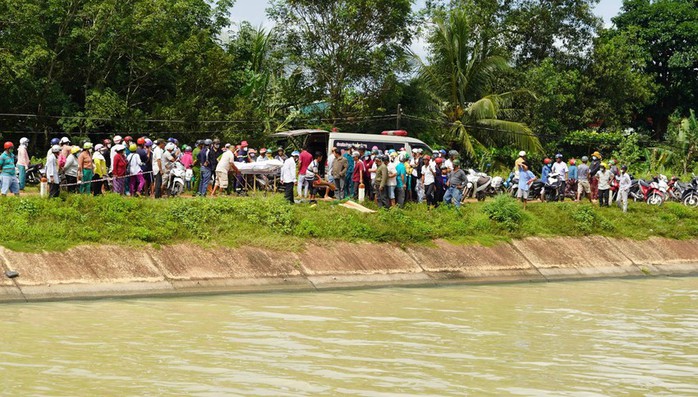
(655, 199)
(691, 200)
(467, 193)
(480, 196)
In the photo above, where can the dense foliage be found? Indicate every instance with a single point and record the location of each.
(498, 76)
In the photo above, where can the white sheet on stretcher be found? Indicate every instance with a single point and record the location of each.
(260, 167)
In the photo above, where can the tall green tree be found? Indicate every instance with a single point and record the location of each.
(460, 75)
(667, 30)
(344, 46)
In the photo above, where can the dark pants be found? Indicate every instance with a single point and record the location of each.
(97, 186)
(54, 190)
(429, 191)
(158, 185)
(288, 192)
(603, 197)
(400, 196)
(71, 181)
(383, 199)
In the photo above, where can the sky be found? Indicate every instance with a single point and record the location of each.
(254, 11)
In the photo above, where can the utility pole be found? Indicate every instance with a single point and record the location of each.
(399, 115)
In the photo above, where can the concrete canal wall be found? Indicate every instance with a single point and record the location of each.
(111, 271)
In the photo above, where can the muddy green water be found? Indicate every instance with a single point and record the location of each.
(559, 339)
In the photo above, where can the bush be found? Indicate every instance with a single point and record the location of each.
(505, 211)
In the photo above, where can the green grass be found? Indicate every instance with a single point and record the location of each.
(34, 224)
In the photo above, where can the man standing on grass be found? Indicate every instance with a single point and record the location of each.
(624, 188)
(526, 177)
(305, 158)
(560, 167)
(583, 175)
(54, 179)
(8, 178)
(358, 176)
(604, 178)
(428, 175)
(225, 165)
(338, 171)
(288, 175)
(456, 182)
(401, 187)
(157, 167)
(85, 169)
(381, 183)
(203, 159)
(22, 161)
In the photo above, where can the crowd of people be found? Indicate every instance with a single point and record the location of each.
(142, 167)
(594, 180)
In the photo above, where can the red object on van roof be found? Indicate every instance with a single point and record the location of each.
(395, 133)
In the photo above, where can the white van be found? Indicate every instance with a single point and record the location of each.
(323, 141)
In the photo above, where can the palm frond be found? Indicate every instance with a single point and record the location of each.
(494, 131)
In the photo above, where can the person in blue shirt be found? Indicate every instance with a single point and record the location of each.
(8, 175)
(526, 177)
(545, 171)
(348, 184)
(401, 186)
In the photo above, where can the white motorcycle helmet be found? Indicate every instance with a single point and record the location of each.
(24, 141)
(118, 139)
(522, 154)
(170, 147)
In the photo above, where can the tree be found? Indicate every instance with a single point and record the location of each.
(460, 75)
(667, 30)
(683, 138)
(561, 29)
(344, 45)
(615, 87)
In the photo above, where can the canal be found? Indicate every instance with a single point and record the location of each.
(594, 338)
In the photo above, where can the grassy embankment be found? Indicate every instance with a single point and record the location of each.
(35, 224)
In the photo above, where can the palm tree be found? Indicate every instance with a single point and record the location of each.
(459, 78)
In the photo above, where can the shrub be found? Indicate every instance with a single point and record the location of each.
(505, 211)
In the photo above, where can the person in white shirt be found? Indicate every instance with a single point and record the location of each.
(288, 175)
(157, 167)
(224, 166)
(52, 175)
(624, 188)
(392, 177)
(428, 172)
(560, 167)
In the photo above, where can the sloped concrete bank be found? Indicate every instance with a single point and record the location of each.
(111, 271)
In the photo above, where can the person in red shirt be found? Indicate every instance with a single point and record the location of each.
(119, 171)
(359, 175)
(305, 159)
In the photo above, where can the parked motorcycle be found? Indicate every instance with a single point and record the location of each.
(689, 194)
(554, 189)
(176, 181)
(481, 185)
(648, 192)
(34, 173)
